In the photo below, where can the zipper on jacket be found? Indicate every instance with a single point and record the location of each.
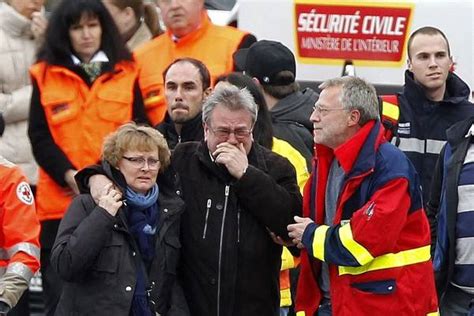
(226, 200)
(238, 225)
(208, 207)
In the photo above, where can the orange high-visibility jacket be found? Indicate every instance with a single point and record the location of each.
(79, 117)
(20, 228)
(211, 44)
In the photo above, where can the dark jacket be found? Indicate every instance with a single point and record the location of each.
(423, 123)
(442, 207)
(190, 131)
(290, 120)
(230, 265)
(96, 256)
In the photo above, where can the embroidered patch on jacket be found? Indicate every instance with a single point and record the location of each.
(60, 108)
(24, 194)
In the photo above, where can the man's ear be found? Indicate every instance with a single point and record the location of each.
(207, 92)
(206, 130)
(409, 65)
(354, 118)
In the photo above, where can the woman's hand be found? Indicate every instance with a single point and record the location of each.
(110, 199)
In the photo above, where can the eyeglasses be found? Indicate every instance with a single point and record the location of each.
(139, 162)
(324, 111)
(224, 133)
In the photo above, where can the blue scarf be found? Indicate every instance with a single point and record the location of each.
(143, 219)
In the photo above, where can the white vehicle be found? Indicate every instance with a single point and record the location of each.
(372, 34)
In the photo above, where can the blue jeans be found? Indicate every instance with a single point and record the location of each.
(324, 308)
(455, 302)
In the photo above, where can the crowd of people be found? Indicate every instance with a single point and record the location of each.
(182, 171)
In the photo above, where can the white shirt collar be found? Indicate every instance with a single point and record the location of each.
(470, 132)
(100, 56)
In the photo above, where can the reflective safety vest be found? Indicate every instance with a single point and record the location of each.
(389, 113)
(19, 231)
(79, 117)
(211, 44)
(283, 148)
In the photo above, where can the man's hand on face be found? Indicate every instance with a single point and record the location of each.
(234, 158)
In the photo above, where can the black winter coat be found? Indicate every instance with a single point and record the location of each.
(230, 265)
(95, 255)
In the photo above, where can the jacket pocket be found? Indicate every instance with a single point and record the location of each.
(109, 256)
(59, 108)
(173, 248)
(115, 105)
(382, 287)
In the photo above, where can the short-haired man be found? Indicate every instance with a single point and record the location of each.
(236, 192)
(365, 235)
(273, 67)
(187, 85)
(190, 33)
(433, 99)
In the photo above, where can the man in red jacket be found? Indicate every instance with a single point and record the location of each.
(365, 236)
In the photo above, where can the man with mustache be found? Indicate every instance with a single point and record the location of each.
(187, 85)
(190, 33)
(433, 99)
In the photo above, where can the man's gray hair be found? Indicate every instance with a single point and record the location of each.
(356, 94)
(232, 98)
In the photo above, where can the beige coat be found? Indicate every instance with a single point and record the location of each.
(141, 36)
(17, 54)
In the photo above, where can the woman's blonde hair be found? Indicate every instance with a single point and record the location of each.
(131, 136)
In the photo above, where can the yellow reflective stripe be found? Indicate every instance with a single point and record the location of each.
(285, 297)
(391, 260)
(153, 100)
(433, 314)
(318, 241)
(390, 110)
(361, 254)
(302, 313)
(287, 260)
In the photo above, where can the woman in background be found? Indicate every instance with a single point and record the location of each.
(84, 87)
(137, 22)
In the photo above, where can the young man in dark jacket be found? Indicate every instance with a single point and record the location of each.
(451, 214)
(433, 99)
(236, 193)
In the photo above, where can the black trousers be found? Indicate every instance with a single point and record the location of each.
(52, 283)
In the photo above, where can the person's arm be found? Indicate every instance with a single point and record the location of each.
(83, 232)
(273, 198)
(47, 153)
(20, 230)
(15, 106)
(352, 244)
